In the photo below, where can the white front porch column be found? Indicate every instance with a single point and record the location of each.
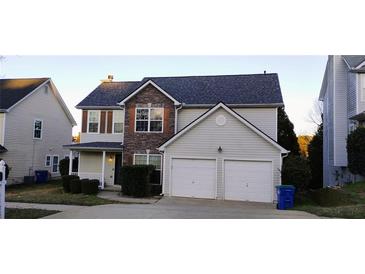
(70, 164)
(103, 170)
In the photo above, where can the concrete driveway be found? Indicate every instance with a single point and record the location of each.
(183, 208)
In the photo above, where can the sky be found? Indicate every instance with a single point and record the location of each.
(76, 76)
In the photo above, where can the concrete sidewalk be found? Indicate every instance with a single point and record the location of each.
(176, 208)
(56, 207)
(115, 196)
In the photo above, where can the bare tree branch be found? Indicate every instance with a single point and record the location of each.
(315, 115)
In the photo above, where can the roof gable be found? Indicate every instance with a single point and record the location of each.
(234, 114)
(354, 61)
(14, 90)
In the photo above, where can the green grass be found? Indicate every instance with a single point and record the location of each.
(50, 193)
(17, 213)
(346, 202)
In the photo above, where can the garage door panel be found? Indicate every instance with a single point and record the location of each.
(248, 181)
(193, 178)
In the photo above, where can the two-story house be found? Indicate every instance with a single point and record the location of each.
(35, 123)
(210, 136)
(343, 97)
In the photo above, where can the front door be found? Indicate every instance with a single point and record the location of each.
(118, 166)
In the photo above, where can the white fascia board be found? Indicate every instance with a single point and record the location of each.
(150, 82)
(233, 113)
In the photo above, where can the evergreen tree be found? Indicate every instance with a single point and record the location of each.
(286, 135)
(315, 157)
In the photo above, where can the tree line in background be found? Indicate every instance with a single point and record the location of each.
(303, 167)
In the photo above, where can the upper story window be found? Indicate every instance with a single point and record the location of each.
(362, 88)
(93, 123)
(117, 122)
(37, 129)
(149, 119)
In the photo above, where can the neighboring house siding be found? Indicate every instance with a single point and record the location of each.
(236, 140)
(263, 118)
(26, 154)
(2, 129)
(351, 95)
(340, 107)
(361, 87)
(136, 142)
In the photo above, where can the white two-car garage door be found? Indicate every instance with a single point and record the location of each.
(248, 181)
(193, 178)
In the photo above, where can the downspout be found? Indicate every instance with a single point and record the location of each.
(176, 113)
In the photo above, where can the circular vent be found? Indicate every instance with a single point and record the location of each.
(220, 120)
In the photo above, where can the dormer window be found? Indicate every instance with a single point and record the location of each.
(93, 124)
(149, 119)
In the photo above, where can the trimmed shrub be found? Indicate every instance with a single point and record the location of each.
(136, 180)
(356, 151)
(75, 186)
(90, 187)
(296, 172)
(66, 179)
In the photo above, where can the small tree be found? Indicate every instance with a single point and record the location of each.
(286, 135)
(315, 157)
(65, 163)
(296, 172)
(356, 151)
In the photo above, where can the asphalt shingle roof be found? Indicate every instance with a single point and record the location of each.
(108, 145)
(354, 60)
(13, 90)
(107, 94)
(229, 89)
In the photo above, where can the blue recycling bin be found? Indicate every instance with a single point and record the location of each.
(285, 195)
(41, 176)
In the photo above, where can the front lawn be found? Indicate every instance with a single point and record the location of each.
(21, 213)
(345, 202)
(50, 193)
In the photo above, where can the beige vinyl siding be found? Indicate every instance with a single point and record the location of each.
(263, 118)
(90, 166)
(2, 129)
(26, 154)
(104, 137)
(236, 140)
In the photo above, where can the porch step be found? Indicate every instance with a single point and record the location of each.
(112, 188)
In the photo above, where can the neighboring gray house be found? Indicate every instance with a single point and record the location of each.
(343, 97)
(209, 137)
(34, 124)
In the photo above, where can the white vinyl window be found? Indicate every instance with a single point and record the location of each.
(55, 163)
(149, 119)
(48, 161)
(93, 123)
(362, 89)
(117, 122)
(148, 159)
(37, 129)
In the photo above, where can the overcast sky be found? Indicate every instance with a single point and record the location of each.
(76, 76)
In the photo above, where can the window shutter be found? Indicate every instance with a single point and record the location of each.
(84, 121)
(102, 121)
(110, 122)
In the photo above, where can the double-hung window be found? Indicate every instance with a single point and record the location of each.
(55, 163)
(48, 161)
(37, 129)
(148, 159)
(117, 122)
(149, 119)
(93, 123)
(362, 89)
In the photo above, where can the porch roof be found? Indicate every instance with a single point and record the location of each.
(2, 149)
(359, 117)
(96, 146)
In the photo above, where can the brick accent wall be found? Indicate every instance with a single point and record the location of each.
(138, 142)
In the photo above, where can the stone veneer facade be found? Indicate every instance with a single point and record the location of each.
(135, 142)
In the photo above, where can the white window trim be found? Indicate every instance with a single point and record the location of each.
(362, 88)
(117, 133)
(88, 121)
(149, 119)
(148, 158)
(58, 165)
(42, 127)
(50, 161)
